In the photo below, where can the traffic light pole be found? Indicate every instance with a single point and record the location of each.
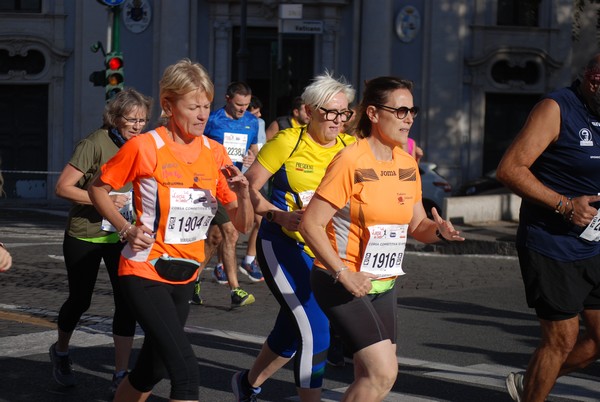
(112, 77)
(113, 36)
(116, 32)
(114, 59)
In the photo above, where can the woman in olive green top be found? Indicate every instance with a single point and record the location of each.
(90, 239)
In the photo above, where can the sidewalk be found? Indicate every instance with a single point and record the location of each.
(493, 237)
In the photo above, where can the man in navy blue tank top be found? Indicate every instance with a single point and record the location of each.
(554, 165)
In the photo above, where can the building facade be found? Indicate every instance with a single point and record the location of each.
(478, 65)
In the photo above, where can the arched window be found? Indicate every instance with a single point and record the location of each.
(33, 62)
(503, 72)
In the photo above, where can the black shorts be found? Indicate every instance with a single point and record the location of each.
(359, 321)
(559, 290)
(221, 217)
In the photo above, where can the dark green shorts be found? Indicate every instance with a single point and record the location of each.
(221, 216)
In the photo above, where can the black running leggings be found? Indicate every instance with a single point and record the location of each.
(82, 259)
(161, 310)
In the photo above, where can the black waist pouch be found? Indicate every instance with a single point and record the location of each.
(175, 270)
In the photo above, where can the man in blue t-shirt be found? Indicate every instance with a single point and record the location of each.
(554, 164)
(234, 126)
(237, 129)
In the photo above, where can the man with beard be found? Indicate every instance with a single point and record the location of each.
(296, 118)
(554, 164)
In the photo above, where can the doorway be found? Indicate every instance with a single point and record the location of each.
(505, 114)
(24, 140)
(275, 87)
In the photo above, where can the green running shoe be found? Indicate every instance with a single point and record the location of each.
(239, 297)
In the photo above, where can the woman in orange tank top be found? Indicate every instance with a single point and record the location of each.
(175, 179)
(357, 223)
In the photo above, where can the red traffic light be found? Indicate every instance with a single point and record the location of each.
(114, 63)
(114, 78)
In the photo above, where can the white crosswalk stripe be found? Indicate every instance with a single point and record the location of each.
(480, 375)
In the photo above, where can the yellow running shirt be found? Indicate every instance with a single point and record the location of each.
(297, 164)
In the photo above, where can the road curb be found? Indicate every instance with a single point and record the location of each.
(469, 246)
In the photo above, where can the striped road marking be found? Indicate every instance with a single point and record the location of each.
(97, 332)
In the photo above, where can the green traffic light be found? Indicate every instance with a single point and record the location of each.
(112, 92)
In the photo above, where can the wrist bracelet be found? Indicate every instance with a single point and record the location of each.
(568, 214)
(338, 273)
(567, 206)
(125, 227)
(123, 233)
(558, 204)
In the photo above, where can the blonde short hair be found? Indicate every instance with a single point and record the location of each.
(324, 87)
(183, 77)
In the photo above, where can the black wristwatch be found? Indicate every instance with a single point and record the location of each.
(270, 216)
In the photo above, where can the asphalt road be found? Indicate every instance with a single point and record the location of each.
(462, 326)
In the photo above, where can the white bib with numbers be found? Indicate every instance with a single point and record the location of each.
(235, 144)
(385, 250)
(190, 213)
(126, 211)
(592, 231)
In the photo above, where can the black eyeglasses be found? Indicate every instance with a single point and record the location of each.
(133, 122)
(331, 115)
(401, 112)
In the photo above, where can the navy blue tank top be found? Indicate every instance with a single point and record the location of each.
(571, 167)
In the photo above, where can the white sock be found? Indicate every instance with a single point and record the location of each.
(249, 258)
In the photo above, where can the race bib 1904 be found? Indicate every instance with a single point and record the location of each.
(190, 213)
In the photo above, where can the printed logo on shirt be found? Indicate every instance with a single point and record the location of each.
(400, 198)
(199, 176)
(388, 173)
(407, 174)
(586, 137)
(304, 167)
(362, 175)
(202, 179)
(171, 171)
